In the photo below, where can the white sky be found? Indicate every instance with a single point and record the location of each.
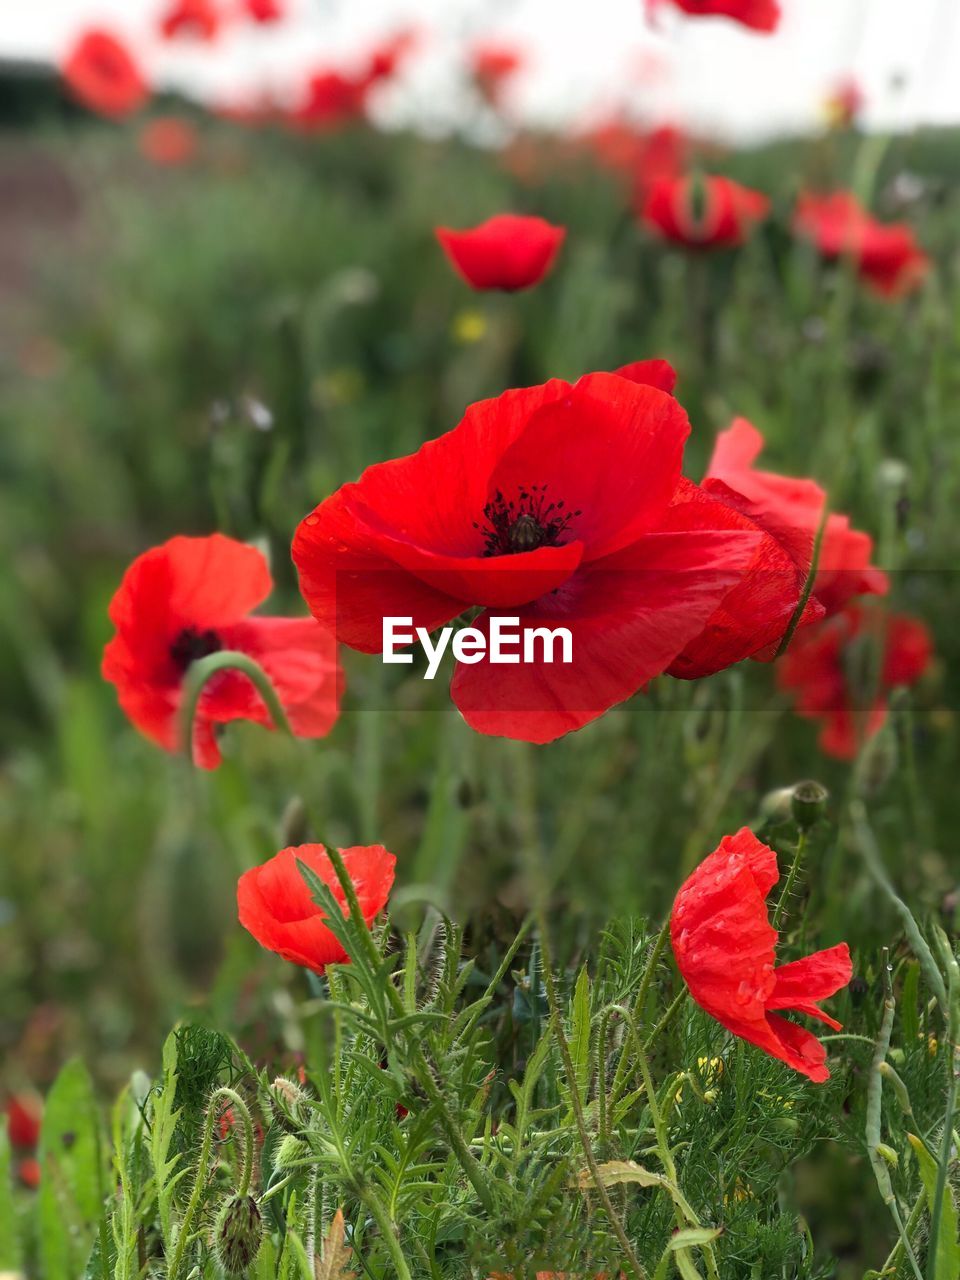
(585, 55)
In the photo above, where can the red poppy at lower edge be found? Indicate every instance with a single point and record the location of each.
(102, 74)
(192, 597)
(725, 949)
(275, 905)
(702, 212)
(555, 505)
(508, 252)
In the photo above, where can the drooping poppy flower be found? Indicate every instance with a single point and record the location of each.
(725, 949)
(652, 373)
(702, 212)
(101, 73)
(841, 672)
(190, 20)
(508, 252)
(492, 68)
(191, 597)
(791, 510)
(551, 504)
(275, 905)
(844, 103)
(886, 255)
(24, 1117)
(169, 142)
(758, 15)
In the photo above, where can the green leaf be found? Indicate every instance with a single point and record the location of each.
(694, 1237)
(946, 1244)
(686, 1265)
(580, 1033)
(9, 1234)
(72, 1184)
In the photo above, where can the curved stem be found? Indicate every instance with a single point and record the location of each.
(204, 669)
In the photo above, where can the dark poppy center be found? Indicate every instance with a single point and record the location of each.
(192, 644)
(525, 523)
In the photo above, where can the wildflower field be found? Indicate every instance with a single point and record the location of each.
(314, 964)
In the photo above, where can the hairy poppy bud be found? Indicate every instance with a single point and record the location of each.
(808, 803)
(290, 1150)
(238, 1234)
(287, 1098)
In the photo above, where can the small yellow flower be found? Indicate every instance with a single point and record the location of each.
(339, 386)
(469, 326)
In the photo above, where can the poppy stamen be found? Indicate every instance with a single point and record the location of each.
(192, 644)
(524, 524)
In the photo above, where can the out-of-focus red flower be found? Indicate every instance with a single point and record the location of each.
(169, 141)
(644, 156)
(758, 15)
(508, 252)
(386, 58)
(702, 212)
(191, 597)
(841, 671)
(332, 98)
(844, 103)
(24, 1117)
(791, 510)
(652, 373)
(887, 255)
(726, 952)
(275, 905)
(28, 1171)
(101, 73)
(190, 20)
(264, 11)
(554, 505)
(493, 67)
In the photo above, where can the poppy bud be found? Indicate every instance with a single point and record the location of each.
(808, 803)
(294, 824)
(290, 1150)
(878, 762)
(777, 806)
(238, 1234)
(287, 1098)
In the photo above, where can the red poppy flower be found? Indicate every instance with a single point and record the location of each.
(726, 952)
(190, 19)
(264, 11)
(791, 510)
(844, 103)
(24, 1117)
(886, 255)
(492, 67)
(841, 672)
(652, 373)
(508, 252)
(102, 74)
(28, 1171)
(702, 212)
(758, 15)
(274, 903)
(191, 597)
(386, 58)
(169, 142)
(551, 504)
(332, 98)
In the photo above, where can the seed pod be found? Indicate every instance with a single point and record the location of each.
(808, 803)
(238, 1234)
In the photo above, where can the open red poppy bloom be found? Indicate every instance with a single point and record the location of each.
(169, 142)
(101, 73)
(190, 20)
(791, 510)
(652, 373)
(508, 252)
(554, 505)
(192, 597)
(492, 67)
(702, 212)
(726, 952)
(758, 15)
(886, 255)
(332, 98)
(275, 905)
(841, 671)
